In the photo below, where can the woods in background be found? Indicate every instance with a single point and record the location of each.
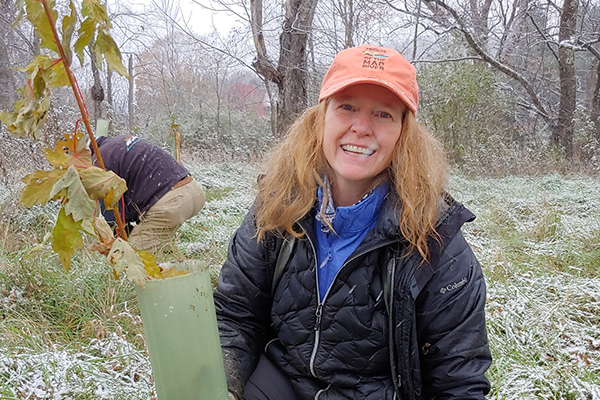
(509, 86)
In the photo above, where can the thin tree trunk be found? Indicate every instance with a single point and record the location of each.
(7, 91)
(565, 125)
(109, 97)
(595, 111)
(130, 96)
(97, 90)
(292, 61)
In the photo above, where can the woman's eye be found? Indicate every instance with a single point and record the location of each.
(346, 107)
(384, 114)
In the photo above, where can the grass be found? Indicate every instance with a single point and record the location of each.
(538, 240)
(79, 335)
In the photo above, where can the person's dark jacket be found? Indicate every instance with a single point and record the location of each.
(341, 348)
(149, 171)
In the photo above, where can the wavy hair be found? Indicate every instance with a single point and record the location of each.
(288, 191)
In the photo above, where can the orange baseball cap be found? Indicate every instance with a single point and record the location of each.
(372, 64)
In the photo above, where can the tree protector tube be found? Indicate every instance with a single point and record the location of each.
(180, 326)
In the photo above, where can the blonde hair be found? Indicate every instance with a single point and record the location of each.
(288, 191)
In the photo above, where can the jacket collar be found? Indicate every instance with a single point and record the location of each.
(453, 215)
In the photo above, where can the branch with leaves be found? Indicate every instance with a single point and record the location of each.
(74, 180)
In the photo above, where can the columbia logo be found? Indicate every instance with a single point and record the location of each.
(453, 286)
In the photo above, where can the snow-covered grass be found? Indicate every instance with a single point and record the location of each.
(538, 239)
(79, 336)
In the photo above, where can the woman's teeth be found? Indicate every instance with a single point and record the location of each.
(355, 149)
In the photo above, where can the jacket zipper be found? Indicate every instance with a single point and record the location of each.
(319, 311)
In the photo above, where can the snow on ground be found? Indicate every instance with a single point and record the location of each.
(105, 369)
(544, 328)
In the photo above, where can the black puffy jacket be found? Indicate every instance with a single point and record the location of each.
(341, 348)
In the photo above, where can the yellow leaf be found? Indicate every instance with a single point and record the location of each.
(66, 238)
(124, 259)
(78, 204)
(94, 10)
(150, 265)
(106, 46)
(110, 200)
(75, 147)
(172, 272)
(38, 186)
(58, 76)
(57, 159)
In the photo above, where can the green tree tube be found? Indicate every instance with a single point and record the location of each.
(182, 336)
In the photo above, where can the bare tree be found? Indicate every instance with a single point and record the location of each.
(290, 74)
(7, 93)
(595, 103)
(563, 129)
(519, 39)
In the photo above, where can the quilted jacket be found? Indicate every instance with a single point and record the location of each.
(341, 348)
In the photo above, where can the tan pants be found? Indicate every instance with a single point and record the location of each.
(158, 224)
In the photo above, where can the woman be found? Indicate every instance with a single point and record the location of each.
(380, 297)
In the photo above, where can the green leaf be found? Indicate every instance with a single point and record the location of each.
(95, 10)
(99, 183)
(68, 27)
(78, 204)
(106, 46)
(86, 33)
(124, 259)
(38, 18)
(66, 238)
(38, 186)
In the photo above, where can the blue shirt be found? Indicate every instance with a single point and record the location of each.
(351, 224)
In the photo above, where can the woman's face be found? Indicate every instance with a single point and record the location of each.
(362, 126)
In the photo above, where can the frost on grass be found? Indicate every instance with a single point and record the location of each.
(110, 368)
(538, 241)
(230, 191)
(537, 238)
(544, 332)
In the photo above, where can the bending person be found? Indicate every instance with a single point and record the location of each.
(161, 194)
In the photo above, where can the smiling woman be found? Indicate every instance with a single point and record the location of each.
(353, 205)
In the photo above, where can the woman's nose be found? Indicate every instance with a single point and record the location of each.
(362, 123)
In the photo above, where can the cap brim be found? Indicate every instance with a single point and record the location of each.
(356, 81)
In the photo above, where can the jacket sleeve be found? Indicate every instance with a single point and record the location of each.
(451, 330)
(242, 304)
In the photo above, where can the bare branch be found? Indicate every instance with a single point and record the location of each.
(492, 61)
